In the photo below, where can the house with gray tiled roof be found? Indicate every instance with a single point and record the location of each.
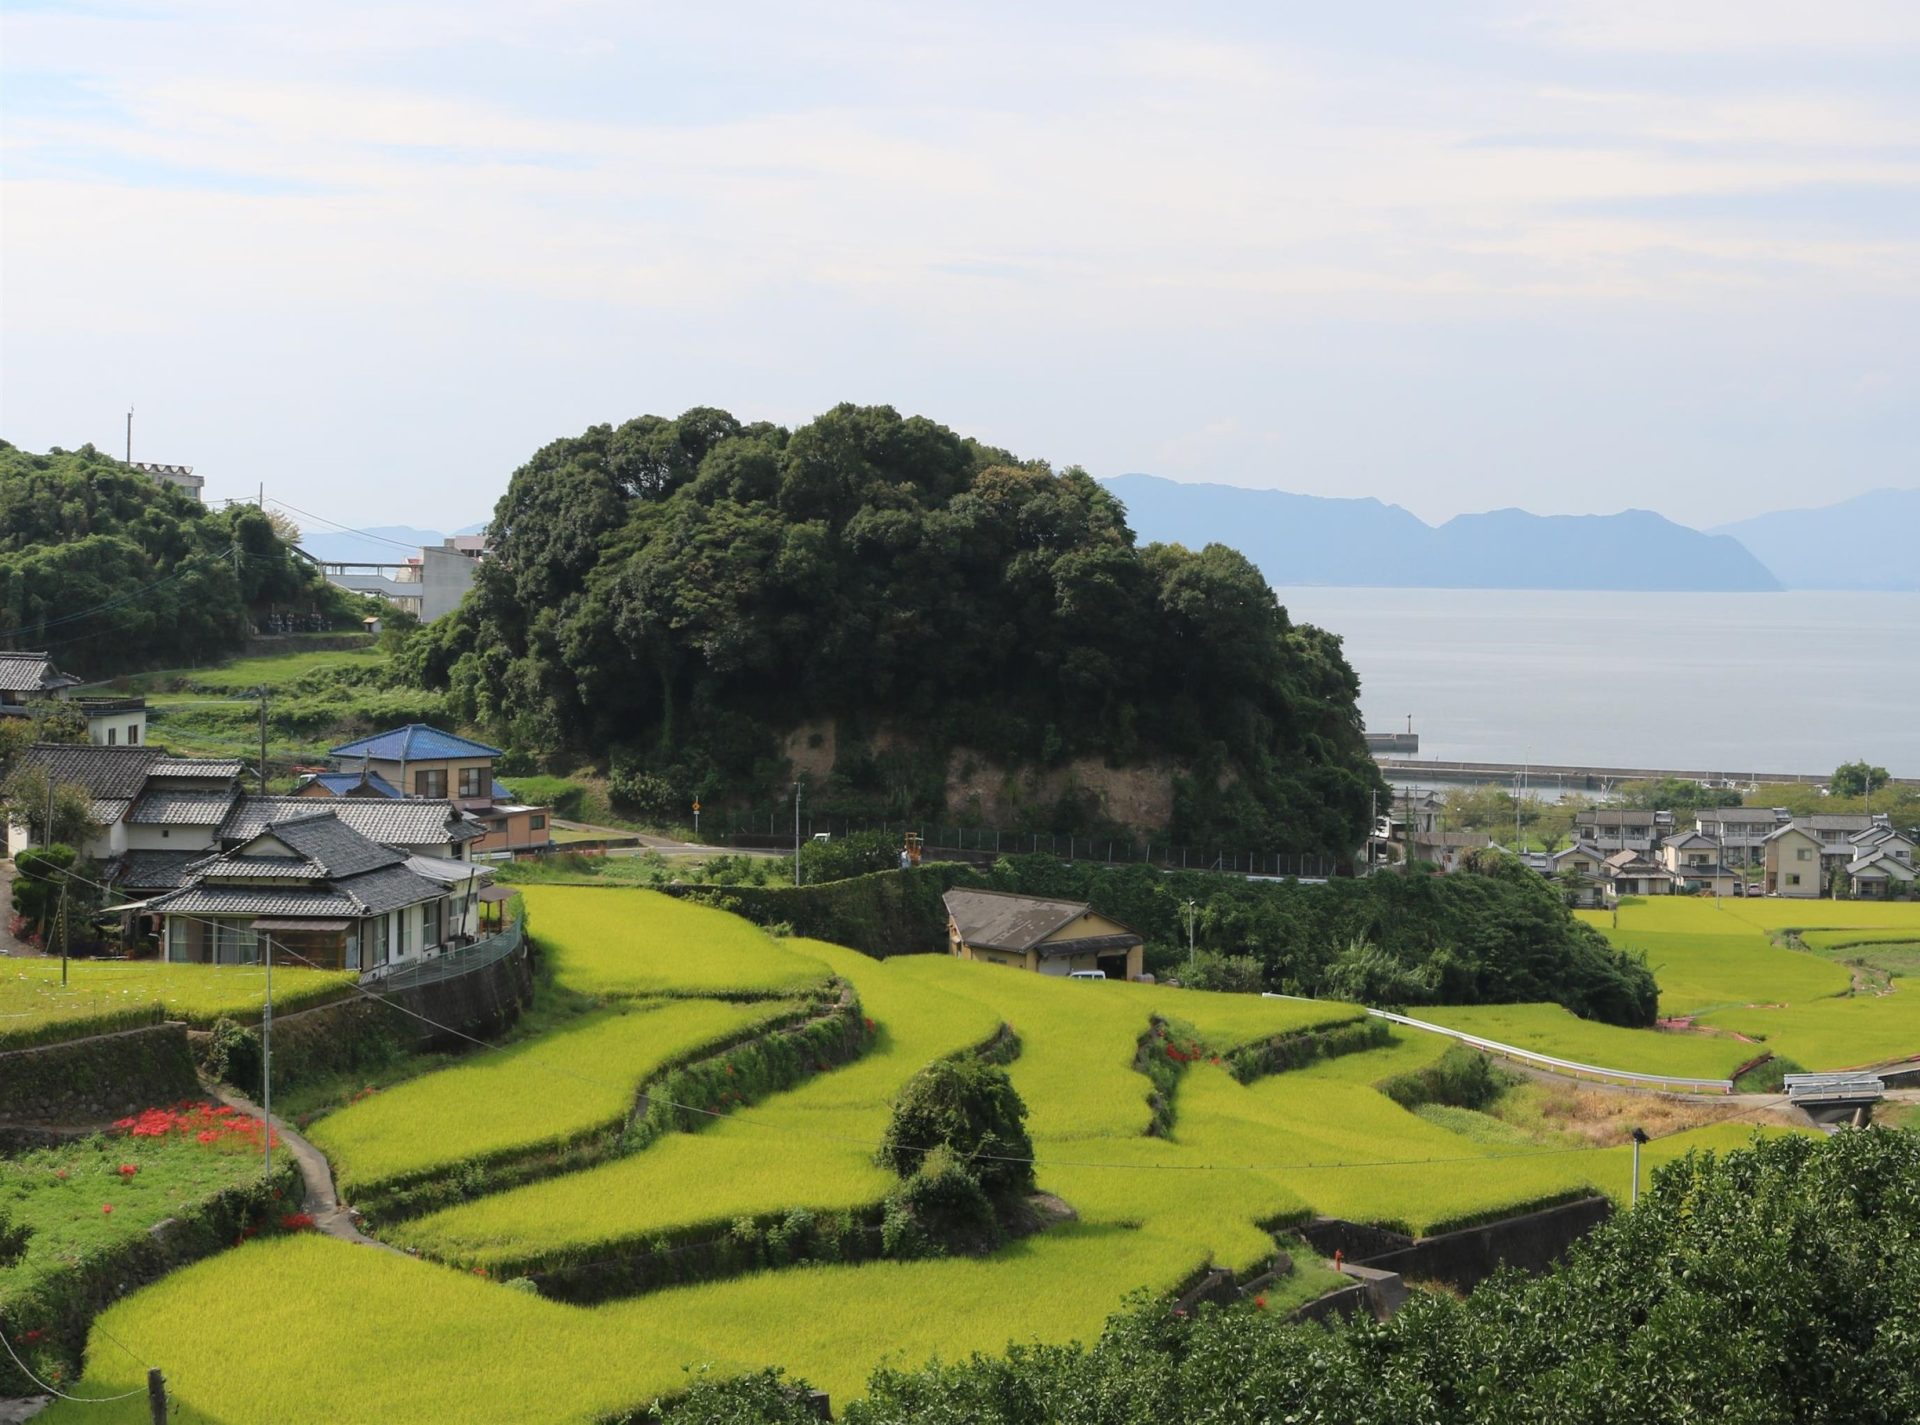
(30, 680)
(417, 825)
(141, 798)
(327, 895)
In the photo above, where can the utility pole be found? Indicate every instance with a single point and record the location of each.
(263, 742)
(796, 833)
(266, 1059)
(1191, 910)
(1639, 1137)
(157, 1396)
(60, 925)
(129, 435)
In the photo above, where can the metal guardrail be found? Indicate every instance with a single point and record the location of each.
(1835, 1088)
(1564, 1066)
(455, 963)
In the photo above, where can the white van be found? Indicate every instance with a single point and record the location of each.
(1086, 974)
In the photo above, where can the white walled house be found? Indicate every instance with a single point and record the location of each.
(1793, 863)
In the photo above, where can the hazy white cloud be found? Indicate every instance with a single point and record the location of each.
(471, 228)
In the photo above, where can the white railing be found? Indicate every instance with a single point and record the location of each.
(1564, 1066)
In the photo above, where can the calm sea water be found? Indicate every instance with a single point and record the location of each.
(1733, 683)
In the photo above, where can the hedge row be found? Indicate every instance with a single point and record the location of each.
(886, 913)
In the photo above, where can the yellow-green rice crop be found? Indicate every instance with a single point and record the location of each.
(812, 1147)
(1850, 1032)
(612, 942)
(1552, 1029)
(1831, 940)
(544, 1091)
(31, 994)
(465, 1349)
(1151, 1209)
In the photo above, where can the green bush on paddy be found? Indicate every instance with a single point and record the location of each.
(970, 1109)
(1463, 1078)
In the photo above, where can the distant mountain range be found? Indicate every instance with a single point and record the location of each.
(1869, 542)
(375, 544)
(1311, 539)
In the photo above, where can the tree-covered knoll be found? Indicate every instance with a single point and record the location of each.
(1774, 1284)
(674, 594)
(111, 570)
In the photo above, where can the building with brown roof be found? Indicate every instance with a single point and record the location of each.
(1049, 937)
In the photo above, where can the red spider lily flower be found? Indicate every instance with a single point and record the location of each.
(60, 1173)
(37, 1334)
(869, 1024)
(127, 1170)
(106, 1209)
(1261, 1302)
(479, 1271)
(297, 1221)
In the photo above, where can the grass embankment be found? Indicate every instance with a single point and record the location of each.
(314, 699)
(85, 1210)
(1152, 1208)
(104, 995)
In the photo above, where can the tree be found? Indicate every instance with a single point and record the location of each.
(1857, 779)
(25, 797)
(42, 876)
(678, 595)
(1675, 794)
(971, 1109)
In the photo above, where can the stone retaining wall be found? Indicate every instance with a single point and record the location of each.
(95, 1080)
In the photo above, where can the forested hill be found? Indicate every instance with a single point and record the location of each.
(110, 571)
(678, 595)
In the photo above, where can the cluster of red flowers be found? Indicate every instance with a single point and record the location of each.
(869, 1024)
(127, 1170)
(215, 1125)
(1185, 1054)
(297, 1221)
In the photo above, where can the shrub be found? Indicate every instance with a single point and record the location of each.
(233, 1056)
(642, 792)
(941, 1208)
(1236, 974)
(1462, 1078)
(970, 1108)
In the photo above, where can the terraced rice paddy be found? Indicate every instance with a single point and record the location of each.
(613, 943)
(1552, 1029)
(1151, 1209)
(109, 994)
(545, 1091)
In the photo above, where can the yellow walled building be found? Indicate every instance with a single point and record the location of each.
(1049, 937)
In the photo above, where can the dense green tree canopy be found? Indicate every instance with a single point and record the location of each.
(679, 592)
(1858, 779)
(110, 570)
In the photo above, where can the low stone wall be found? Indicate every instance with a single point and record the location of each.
(1466, 1258)
(345, 1035)
(95, 1080)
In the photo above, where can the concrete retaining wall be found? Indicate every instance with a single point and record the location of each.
(1468, 1257)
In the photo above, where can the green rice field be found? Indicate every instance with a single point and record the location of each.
(611, 943)
(1150, 1210)
(1552, 1029)
(541, 1092)
(112, 994)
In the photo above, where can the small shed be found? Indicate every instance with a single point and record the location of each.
(1047, 936)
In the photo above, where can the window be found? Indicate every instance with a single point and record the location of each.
(430, 925)
(473, 781)
(113, 736)
(406, 933)
(234, 945)
(430, 782)
(1793, 878)
(133, 734)
(376, 942)
(179, 943)
(1803, 853)
(352, 961)
(536, 822)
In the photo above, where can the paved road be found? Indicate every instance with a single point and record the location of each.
(320, 1199)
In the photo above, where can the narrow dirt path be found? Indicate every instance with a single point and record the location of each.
(320, 1200)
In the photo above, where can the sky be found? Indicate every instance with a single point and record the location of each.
(1573, 257)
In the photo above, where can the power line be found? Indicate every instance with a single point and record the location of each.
(986, 1157)
(55, 1390)
(344, 529)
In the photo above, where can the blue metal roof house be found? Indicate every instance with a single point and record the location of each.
(422, 761)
